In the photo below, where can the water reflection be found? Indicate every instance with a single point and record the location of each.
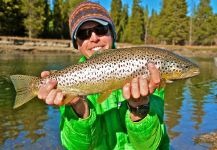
(201, 89)
(189, 105)
(25, 126)
(173, 103)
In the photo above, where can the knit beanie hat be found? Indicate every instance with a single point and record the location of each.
(89, 11)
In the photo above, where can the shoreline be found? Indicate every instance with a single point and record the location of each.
(13, 45)
(186, 51)
(35, 49)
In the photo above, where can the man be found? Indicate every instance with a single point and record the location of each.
(131, 118)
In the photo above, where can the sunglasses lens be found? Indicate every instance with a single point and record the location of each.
(86, 33)
(101, 30)
(83, 34)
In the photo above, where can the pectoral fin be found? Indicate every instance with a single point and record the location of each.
(104, 96)
(113, 86)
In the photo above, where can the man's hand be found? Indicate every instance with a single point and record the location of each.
(138, 90)
(49, 93)
(53, 96)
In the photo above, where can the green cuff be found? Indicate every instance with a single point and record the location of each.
(85, 122)
(70, 118)
(145, 134)
(145, 125)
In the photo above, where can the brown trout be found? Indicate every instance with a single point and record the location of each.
(107, 71)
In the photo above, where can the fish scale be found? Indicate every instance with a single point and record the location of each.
(107, 71)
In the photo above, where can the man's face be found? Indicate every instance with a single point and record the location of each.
(95, 43)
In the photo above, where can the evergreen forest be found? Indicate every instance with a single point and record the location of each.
(172, 25)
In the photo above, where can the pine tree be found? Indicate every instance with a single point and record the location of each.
(204, 31)
(47, 31)
(11, 18)
(181, 23)
(34, 10)
(154, 28)
(166, 24)
(123, 23)
(191, 22)
(58, 19)
(146, 24)
(115, 13)
(137, 23)
(127, 32)
(174, 22)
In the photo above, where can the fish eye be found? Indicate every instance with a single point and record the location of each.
(185, 66)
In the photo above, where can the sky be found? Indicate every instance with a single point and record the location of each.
(156, 4)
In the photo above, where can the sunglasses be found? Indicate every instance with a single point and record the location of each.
(99, 30)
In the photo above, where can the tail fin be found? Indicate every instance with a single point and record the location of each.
(24, 88)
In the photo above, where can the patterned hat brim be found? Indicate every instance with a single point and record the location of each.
(102, 22)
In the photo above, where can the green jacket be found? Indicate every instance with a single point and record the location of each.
(110, 127)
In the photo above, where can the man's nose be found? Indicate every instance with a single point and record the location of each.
(94, 37)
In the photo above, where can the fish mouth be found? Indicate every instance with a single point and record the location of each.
(191, 73)
(195, 71)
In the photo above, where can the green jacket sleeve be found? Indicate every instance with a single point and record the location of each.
(150, 132)
(77, 133)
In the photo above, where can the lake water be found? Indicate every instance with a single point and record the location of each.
(190, 105)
